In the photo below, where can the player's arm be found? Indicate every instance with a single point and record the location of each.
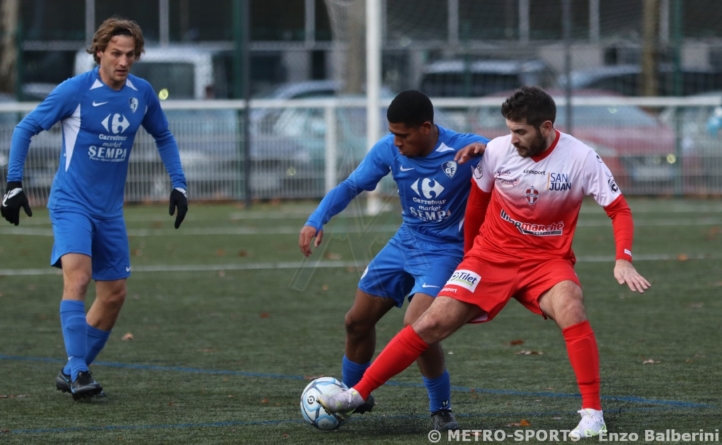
(156, 124)
(365, 178)
(482, 185)
(475, 214)
(623, 226)
(600, 183)
(475, 147)
(59, 104)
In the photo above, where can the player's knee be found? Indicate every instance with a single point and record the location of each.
(356, 327)
(431, 329)
(115, 297)
(76, 285)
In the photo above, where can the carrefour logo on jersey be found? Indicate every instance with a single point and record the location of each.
(428, 188)
(467, 279)
(558, 181)
(118, 123)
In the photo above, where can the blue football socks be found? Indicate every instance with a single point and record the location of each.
(351, 372)
(96, 342)
(439, 392)
(72, 321)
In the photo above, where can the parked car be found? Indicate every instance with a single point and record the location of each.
(700, 137)
(636, 146)
(625, 79)
(42, 160)
(457, 78)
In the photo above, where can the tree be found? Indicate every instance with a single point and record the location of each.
(9, 12)
(650, 48)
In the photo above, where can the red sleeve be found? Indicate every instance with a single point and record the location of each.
(623, 226)
(475, 214)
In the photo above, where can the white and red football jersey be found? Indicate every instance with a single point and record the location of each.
(535, 201)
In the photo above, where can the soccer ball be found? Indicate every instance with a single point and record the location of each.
(312, 411)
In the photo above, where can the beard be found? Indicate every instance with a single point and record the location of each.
(536, 146)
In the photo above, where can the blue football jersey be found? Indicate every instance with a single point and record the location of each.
(433, 189)
(99, 125)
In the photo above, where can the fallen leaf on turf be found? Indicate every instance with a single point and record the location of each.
(696, 305)
(265, 315)
(522, 422)
(4, 431)
(525, 352)
(650, 362)
(220, 252)
(712, 233)
(324, 287)
(127, 337)
(206, 350)
(221, 273)
(516, 342)
(264, 401)
(243, 253)
(682, 257)
(230, 396)
(333, 256)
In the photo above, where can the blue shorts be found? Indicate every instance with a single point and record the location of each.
(104, 240)
(408, 264)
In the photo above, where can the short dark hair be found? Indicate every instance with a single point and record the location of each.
(531, 104)
(411, 108)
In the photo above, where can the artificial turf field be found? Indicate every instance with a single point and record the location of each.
(228, 325)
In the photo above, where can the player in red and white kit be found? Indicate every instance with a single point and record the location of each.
(526, 195)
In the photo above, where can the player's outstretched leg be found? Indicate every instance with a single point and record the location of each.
(398, 355)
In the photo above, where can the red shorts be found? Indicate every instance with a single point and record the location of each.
(490, 283)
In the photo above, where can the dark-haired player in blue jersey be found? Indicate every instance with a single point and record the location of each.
(100, 112)
(423, 159)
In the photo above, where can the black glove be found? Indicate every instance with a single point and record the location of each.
(12, 201)
(178, 199)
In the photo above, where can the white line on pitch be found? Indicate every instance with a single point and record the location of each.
(349, 229)
(328, 264)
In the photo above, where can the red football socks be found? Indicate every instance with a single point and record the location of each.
(399, 354)
(584, 357)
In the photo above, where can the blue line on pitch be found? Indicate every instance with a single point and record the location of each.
(290, 421)
(631, 399)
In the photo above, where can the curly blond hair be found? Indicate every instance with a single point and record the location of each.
(112, 27)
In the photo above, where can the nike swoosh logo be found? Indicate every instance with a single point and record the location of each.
(97, 104)
(9, 195)
(127, 269)
(429, 285)
(405, 169)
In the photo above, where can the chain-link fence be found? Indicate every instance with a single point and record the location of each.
(302, 148)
